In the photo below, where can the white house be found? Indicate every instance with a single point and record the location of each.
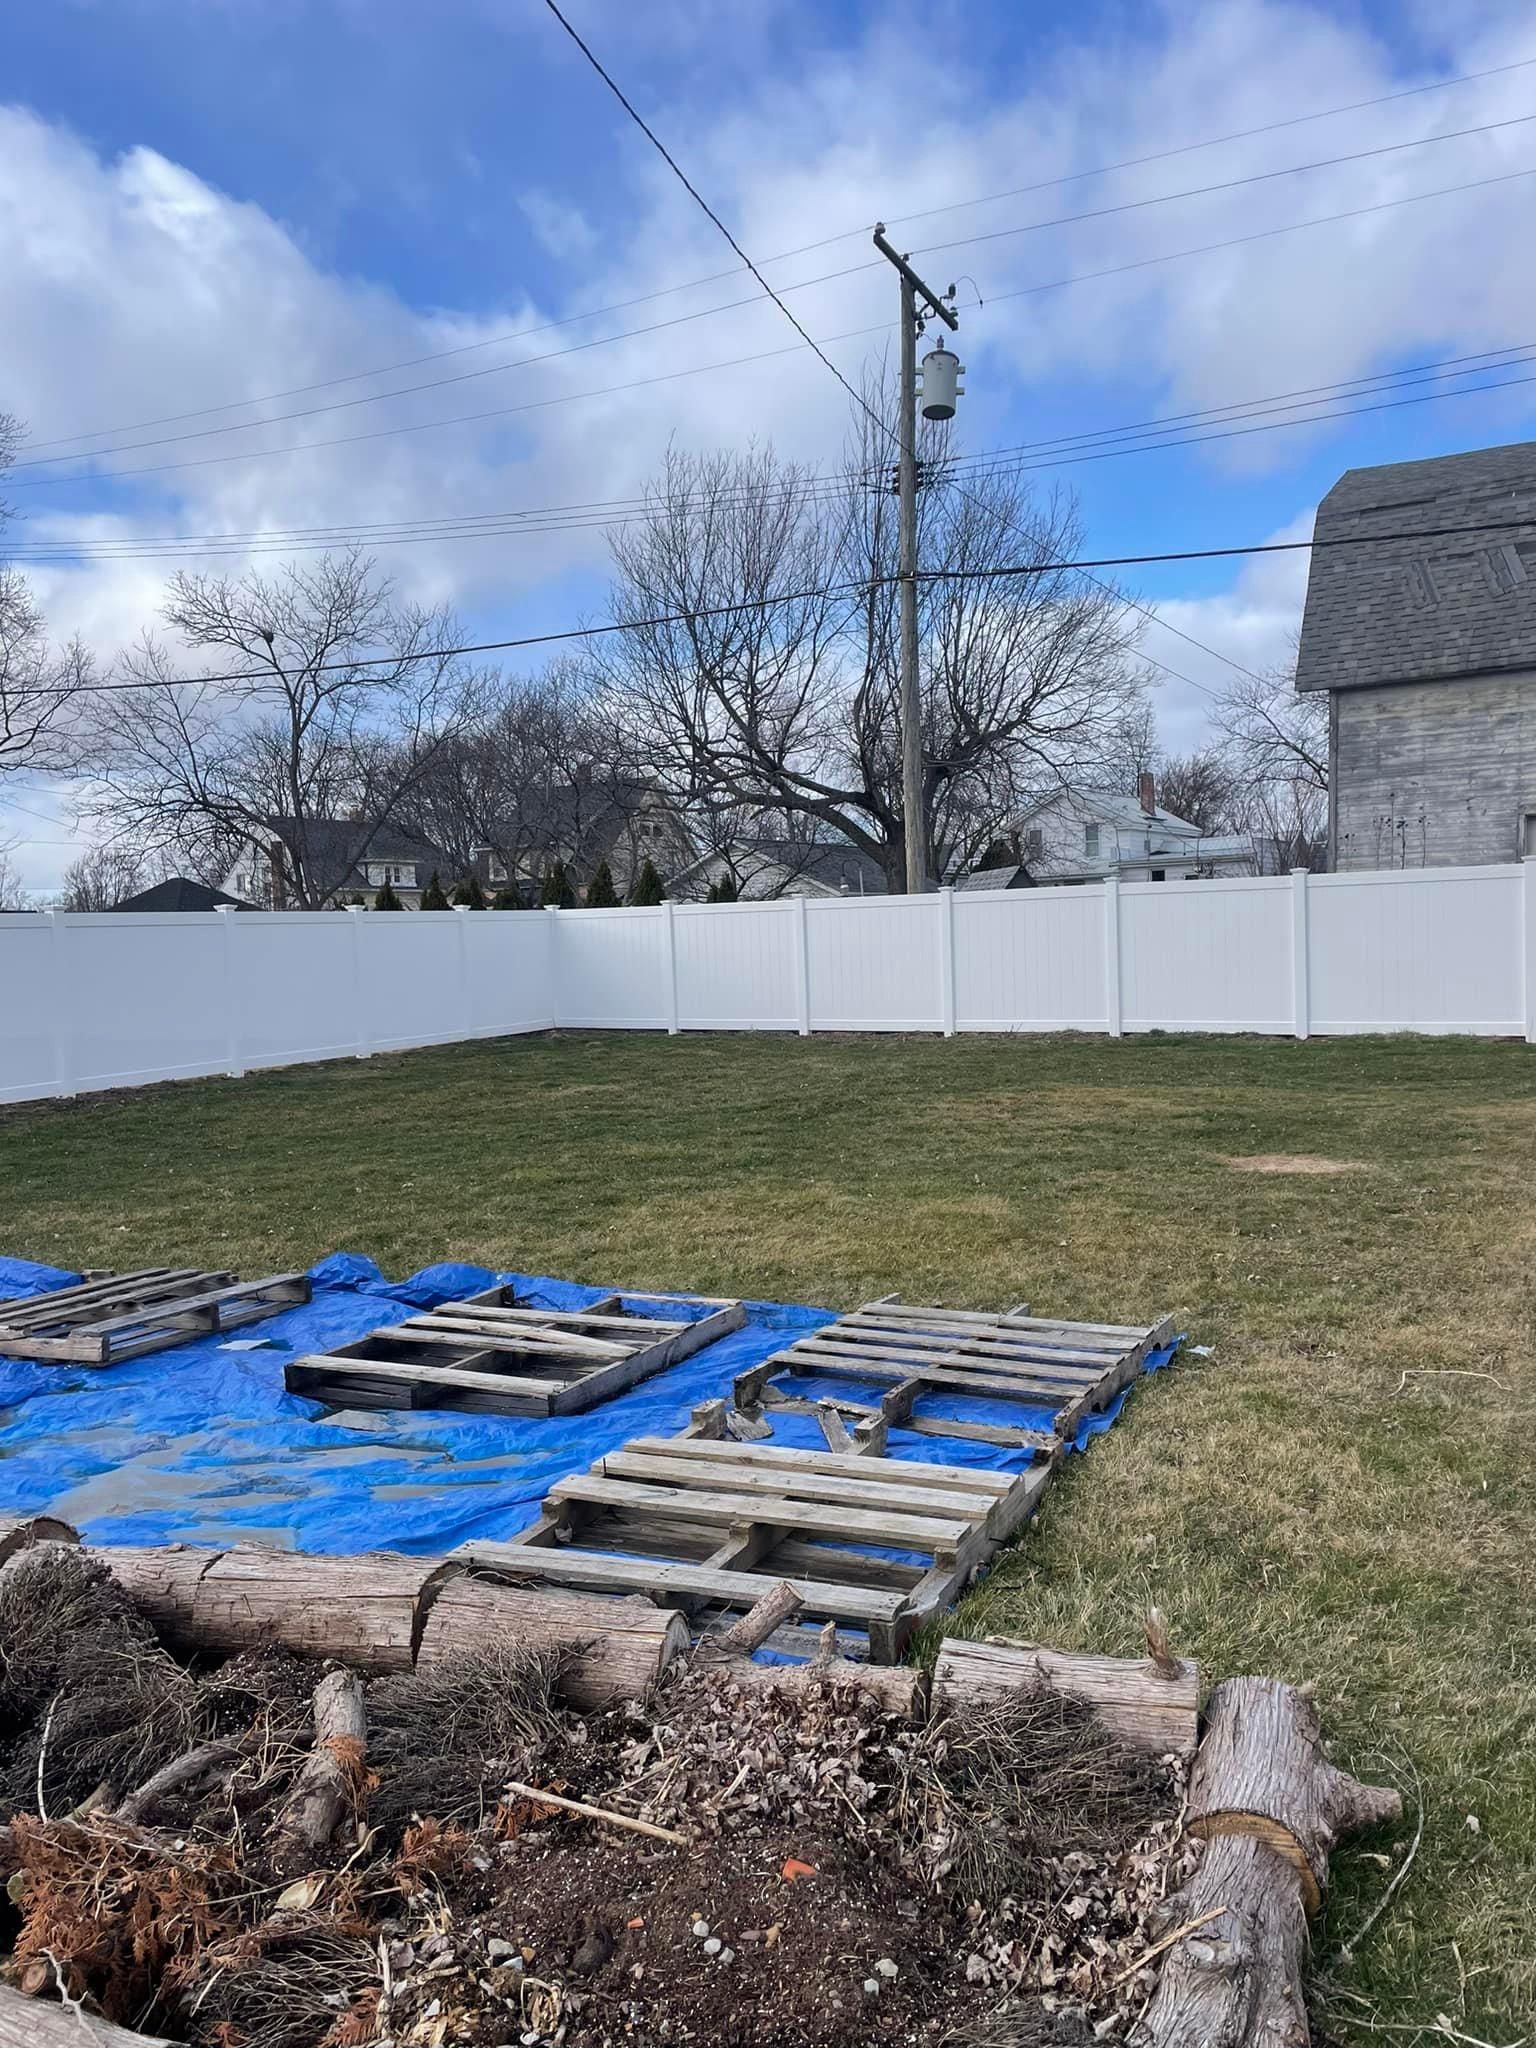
(1082, 835)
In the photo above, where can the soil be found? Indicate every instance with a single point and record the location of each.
(1295, 1162)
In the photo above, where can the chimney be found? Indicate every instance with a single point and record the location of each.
(1146, 790)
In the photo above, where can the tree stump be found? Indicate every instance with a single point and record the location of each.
(1271, 1807)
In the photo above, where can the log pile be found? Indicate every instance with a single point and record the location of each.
(1263, 1799)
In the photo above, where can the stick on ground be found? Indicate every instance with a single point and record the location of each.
(602, 1813)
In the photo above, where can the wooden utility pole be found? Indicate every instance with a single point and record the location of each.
(914, 295)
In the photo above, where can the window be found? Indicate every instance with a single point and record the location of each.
(397, 873)
(495, 867)
(1528, 835)
(1034, 843)
(1091, 841)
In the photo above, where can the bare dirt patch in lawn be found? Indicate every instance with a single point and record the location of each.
(1295, 1162)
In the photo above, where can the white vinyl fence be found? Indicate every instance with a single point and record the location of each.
(89, 1002)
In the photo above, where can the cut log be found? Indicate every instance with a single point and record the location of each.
(1129, 1696)
(1271, 1808)
(18, 1532)
(900, 1689)
(161, 1583)
(779, 1604)
(329, 1787)
(38, 2023)
(361, 1610)
(617, 1649)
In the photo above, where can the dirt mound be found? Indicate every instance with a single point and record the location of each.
(838, 1874)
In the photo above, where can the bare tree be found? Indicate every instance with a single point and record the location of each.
(529, 780)
(1204, 786)
(104, 875)
(39, 682)
(330, 703)
(778, 688)
(13, 892)
(1277, 741)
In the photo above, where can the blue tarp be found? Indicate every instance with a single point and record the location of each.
(201, 1443)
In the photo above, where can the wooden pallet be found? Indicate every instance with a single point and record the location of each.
(490, 1356)
(1072, 1369)
(708, 1525)
(108, 1319)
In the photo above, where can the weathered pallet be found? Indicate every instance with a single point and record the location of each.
(104, 1321)
(1070, 1369)
(489, 1355)
(707, 1525)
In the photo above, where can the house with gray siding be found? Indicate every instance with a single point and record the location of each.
(1425, 641)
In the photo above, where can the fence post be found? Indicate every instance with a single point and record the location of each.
(1301, 960)
(361, 1030)
(1528, 905)
(947, 959)
(802, 967)
(466, 1012)
(1112, 954)
(552, 965)
(232, 1066)
(63, 1077)
(669, 926)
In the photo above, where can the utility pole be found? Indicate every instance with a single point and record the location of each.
(917, 301)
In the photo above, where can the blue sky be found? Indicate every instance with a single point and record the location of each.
(209, 201)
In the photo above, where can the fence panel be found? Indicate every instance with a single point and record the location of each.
(1030, 960)
(129, 1007)
(295, 987)
(1206, 956)
(875, 964)
(510, 959)
(108, 1001)
(610, 969)
(736, 966)
(1430, 949)
(29, 1005)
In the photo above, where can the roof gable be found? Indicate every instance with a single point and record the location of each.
(1425, 603)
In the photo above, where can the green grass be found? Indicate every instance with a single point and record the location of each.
(1345, 1492)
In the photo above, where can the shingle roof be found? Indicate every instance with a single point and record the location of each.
(179, 893)
(1110, 807)
(1418, 610)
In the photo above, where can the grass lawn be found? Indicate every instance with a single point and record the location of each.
(1344, 1492)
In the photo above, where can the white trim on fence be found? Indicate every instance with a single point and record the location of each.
(103, 1001)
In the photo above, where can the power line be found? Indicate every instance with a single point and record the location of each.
(735, 305)
(807, 248)
(516, 524)
(1226, 184)
(709, 212)
(1482, 360)
(859, 586)
(737, 362)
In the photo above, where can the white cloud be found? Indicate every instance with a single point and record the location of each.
(135, 290)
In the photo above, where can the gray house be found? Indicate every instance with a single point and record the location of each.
(1425, 641)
